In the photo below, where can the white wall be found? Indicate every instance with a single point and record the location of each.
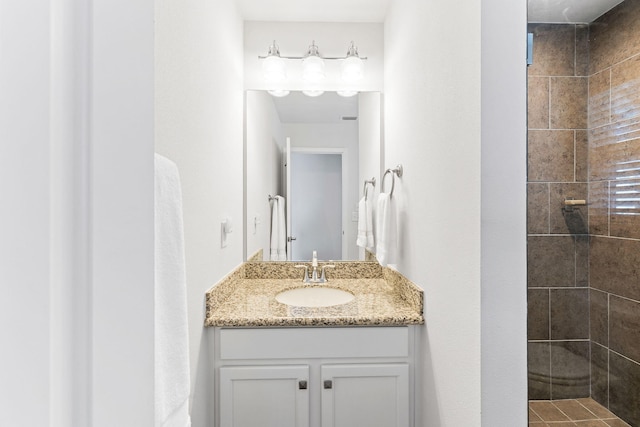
(335, 135)
(264, 139)
(332, 39)
(435, 127)
(24, 218)
(504, 253)
(77, 246)
(432, 128)
(122, 231)
(199, 125)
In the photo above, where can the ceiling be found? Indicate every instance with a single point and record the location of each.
(314, 10)
(568, 11)
(551, 11)
(326, 108)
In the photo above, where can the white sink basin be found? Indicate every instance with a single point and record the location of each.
(314, 297)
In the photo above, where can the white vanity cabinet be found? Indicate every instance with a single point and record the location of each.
(314, 377)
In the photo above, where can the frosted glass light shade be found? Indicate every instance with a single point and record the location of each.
(313, 92)
(279, 93)
(274, 69)
(313, 69)
(352, 69)
(347, 93)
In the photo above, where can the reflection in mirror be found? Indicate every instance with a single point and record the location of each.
(314, 155)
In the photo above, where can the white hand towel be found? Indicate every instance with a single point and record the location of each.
(369, 223)
(172, 375)
(278, 250)
(273, 250)
(383, 229)
(361, 240)
(282, 230)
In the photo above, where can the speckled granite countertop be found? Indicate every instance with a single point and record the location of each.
(246, 297)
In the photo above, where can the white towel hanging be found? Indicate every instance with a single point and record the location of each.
(172, 374)
(278, 250)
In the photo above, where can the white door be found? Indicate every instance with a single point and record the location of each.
(372, 395)
(264, 396)
(316, 205)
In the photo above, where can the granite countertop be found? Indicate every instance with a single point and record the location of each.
(246, 297)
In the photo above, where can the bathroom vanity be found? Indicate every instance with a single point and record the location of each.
(340, 365)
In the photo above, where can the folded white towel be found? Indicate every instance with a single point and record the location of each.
(383, 229)
(365, 223)
(278, 250)
(368, 204)
(172, 375)
(282, 230)
(273, 250)
(361, 240)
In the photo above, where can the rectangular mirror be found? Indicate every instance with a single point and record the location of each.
(314, 154)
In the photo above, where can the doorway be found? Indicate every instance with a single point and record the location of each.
(316, 205)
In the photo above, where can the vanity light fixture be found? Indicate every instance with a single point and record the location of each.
(313, 67)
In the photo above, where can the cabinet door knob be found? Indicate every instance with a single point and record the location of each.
(302, 385)
(328, 384)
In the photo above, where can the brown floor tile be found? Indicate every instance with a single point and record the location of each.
(596, 408)
(583, 412)
(547, 411)
(574, 410)
(616, 423)
(533, 417)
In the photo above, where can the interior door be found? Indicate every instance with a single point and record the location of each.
(316, 204)
(287, 195)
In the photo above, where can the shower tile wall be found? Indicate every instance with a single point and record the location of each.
(614, 209)
(558, 241)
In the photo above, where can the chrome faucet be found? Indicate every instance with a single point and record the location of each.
(313, 277)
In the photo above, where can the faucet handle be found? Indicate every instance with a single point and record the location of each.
(306, 272)
(323, 276)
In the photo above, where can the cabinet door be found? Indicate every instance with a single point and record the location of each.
(371, 395)
(264, 396)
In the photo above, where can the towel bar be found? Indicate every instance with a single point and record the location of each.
(397, 171)
(371, 181)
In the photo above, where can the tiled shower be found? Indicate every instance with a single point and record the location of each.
(584, 262)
